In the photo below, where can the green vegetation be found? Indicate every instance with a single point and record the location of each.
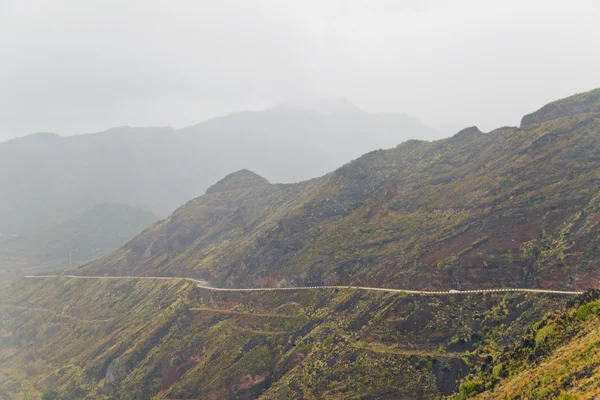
(170, 339)
(468, 389)
(542, 334)
(50, 395)
(557, 357)
(587, 309)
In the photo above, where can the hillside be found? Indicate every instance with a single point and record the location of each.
(53, 178)
(143, 339)
(558, 357)
(513, 207)
(86, 237)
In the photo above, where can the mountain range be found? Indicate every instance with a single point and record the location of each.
(48, 178)
(516, 207)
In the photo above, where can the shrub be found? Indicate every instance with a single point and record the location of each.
(542, 334)
(301, 317)
(359, 367)
(543, 393)
(468, 389)
(50, 395)
(497, 370)
(328, 341)
(566, 396)
(587, 309)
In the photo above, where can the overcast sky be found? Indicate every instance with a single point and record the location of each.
(76, 66)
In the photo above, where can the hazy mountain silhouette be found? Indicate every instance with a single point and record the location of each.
(46, 178)
(85, 237)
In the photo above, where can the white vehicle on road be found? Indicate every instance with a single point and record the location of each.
(454, 291)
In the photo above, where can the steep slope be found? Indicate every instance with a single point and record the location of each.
(582, 103)
(513, 207)
(148, 339)
(85, 237)
(557, 357)
(46, 178)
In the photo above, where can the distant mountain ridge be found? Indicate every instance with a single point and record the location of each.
(49, 178)
(510, 208)
(81, 239)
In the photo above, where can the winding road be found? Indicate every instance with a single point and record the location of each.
(204, 285)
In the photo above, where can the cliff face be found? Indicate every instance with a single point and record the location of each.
(512, 207)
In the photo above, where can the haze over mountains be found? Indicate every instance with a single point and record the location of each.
(80, 239)
(191, 206)
(49, 178)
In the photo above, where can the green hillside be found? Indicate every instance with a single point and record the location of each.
(557, 358)
(136, 339)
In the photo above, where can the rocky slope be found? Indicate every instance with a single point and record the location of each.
(512, 207)
(558, 357)
(147, 339)
(85, 237)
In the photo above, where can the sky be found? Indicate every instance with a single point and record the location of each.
(72, 66)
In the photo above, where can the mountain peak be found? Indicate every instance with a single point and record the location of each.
(578, 104)
(472, 130)
(241, 179)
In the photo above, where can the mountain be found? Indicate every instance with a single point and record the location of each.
(103, 339)
(512, 207)
(48, 178)
(516, 207)
(82, 238)
(557, 357)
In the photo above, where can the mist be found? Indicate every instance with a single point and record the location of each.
(74, 67)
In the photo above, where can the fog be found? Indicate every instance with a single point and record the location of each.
(70, 66)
